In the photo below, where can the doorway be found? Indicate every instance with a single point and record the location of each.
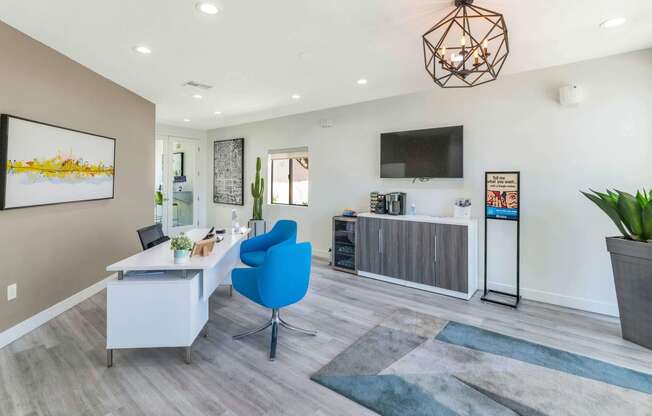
(177, 188)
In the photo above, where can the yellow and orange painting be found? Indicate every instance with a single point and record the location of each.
(66, 168)
(45, 164)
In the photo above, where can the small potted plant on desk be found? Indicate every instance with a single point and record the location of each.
(257, 223)
(181, 246)
(631, 259)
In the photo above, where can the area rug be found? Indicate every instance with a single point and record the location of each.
(415, 364)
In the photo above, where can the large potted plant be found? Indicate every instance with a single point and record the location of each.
(631, 259)
(257, 223)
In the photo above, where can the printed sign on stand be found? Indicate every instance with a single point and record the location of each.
(502, 199)
(503, 202)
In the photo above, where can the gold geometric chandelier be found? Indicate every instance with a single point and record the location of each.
(466, 48)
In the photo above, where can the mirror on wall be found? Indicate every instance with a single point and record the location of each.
(177, 164)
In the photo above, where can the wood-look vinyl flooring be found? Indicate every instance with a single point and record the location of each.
(60, 368)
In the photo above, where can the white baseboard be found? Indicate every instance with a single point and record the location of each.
(560, 300)
(11, 334)
(321, 254)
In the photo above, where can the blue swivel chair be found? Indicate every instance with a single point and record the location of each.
(280, 281)
(252, 251)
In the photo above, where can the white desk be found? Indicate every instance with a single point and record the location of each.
(167, 309)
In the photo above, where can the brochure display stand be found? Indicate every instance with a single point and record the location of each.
(502, 203)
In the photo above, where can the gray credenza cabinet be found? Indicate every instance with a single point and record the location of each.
(438, 254)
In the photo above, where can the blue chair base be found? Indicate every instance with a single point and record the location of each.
(275, 321)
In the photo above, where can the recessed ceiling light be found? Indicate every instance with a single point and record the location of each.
(207, 7)
(187, 120)
(296, 97)
(142, 49)
(217, 113)
(197, 96)
(362, 81)
(615, 22)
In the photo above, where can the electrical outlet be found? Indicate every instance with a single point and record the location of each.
(11, 292)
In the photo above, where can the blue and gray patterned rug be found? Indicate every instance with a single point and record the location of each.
(415, 364)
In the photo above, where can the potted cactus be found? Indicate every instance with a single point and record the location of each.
(631, 259)
(257, 223)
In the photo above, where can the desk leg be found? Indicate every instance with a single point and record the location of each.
(189, 355)
(231, 291)
(109, 358)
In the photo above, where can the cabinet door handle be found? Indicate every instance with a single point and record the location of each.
(435, 248)
(380, 240)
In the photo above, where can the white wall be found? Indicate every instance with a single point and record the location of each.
(514, 123)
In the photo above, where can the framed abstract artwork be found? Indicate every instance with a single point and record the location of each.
(43, 164)
(228, 172)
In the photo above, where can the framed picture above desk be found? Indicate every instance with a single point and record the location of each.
(43, 164)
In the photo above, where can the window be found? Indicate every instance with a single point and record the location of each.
(289, 173)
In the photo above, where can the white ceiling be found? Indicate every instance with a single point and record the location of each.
(257, 53)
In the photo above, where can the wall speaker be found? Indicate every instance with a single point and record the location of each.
(570, 95)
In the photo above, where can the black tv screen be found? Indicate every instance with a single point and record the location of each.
(429, 153)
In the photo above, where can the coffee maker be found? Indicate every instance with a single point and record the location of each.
(395, 203)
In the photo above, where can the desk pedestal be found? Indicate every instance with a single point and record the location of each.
(155, 311)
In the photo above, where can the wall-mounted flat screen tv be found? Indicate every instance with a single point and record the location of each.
(429, 153)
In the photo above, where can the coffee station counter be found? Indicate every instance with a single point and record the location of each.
(423, 218)
(437, 254)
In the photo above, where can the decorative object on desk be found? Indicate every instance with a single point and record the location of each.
(631, 259)
(462, 208)
(203, 248)
(503, 202)
(475, 38)
(181, 245)
(235, 224)
(228, 174)
(42, 164)
(257, 223)
(417, 364)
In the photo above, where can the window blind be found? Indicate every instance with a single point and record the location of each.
(295, 152)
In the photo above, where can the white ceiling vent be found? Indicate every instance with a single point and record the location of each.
(196, 84)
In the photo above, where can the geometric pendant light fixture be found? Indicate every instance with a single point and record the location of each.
(466, 48)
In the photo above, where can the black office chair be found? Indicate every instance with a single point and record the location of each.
(152, 236)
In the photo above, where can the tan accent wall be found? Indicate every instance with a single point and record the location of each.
(53, 252)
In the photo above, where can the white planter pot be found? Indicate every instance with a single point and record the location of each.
(258, 227)
(181, 256)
